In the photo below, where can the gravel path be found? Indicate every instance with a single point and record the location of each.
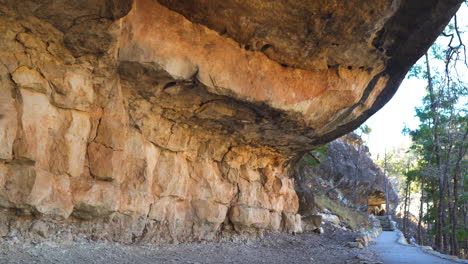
(273, 248)
(392, 252)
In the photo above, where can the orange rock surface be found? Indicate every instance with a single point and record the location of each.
(180, 120)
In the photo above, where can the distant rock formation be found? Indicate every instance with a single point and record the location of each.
(347, 174)
(169, 120)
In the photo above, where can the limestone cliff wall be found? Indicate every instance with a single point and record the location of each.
(180, 120)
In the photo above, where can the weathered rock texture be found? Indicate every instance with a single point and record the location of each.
(179, 120)
(346, 173)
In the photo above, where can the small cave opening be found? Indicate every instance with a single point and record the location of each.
(377, 210)
(376, 203)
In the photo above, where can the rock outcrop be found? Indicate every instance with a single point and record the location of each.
(347, 174)
(180, 120)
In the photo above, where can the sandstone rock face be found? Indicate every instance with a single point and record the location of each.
(175, 121)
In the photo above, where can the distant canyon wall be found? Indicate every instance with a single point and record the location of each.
(346, 174)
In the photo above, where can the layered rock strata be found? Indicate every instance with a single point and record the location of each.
(179, 120)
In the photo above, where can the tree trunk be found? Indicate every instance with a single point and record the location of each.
(404, 208)
(456, 174)
(408, 208)
(436, 237)
(447, 202)
(445, 244)
(435, 120)
(387, 206)
(421, 206)
(452, 237)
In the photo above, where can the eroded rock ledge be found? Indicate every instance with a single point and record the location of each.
(179, 120)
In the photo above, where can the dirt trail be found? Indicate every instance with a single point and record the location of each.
(273, 248)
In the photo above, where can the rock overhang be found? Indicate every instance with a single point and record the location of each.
(324, 66)
(157, 126)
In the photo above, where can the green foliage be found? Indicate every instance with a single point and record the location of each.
(436, 52)
(440, 135)
(412, 175)
(365, 129)
(431, 215)
(415, 71)
(320, 151)
(445, 104)
(462, 234)
(396, 161)
(310, 158)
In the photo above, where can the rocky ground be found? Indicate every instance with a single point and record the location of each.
(328, 247)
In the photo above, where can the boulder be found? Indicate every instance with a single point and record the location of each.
(331, 218)
(311, 223)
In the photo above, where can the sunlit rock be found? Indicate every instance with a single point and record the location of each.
(181, 120)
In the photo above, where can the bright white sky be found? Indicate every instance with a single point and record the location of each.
(388, 123)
